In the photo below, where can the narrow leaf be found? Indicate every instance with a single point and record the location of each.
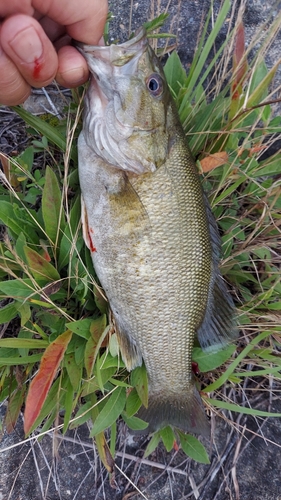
(240, 409)
(193, 448)
(104, 452)
(42, 382)
(51, 205)
(168, 437)
(133, 403)
(13, 409)
(139, 380)
(134, 423)
(8, 312)
(209, 361)
(21, 343)
(110, 412)
(153, 443)
(224, 377)
(89, 355)
(20, 360)
(52, 134)
(40, 268)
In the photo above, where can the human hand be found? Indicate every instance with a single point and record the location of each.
(35, 48)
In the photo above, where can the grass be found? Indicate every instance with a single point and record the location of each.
(49, 286)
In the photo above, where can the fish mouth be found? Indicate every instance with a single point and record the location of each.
(116, 55)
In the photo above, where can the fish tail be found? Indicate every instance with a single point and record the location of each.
(182, 410)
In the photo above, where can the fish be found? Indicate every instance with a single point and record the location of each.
(147, 222)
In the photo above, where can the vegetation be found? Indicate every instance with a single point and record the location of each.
(61, 353)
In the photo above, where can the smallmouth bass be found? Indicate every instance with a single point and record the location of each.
(147, 222)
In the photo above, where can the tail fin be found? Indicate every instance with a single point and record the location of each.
(184, 411)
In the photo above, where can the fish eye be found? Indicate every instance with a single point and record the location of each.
(154, 84)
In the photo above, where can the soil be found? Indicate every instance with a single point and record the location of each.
(244, 452)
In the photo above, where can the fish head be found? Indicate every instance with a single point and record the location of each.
(125, 116)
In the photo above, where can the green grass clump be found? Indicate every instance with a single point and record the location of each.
(60, 316)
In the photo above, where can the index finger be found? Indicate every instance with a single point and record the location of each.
(83, 20)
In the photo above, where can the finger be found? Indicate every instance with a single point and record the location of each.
(7, 8)
(13, 88)
(72, 69)
(83, 20)
(25, 43)
(52, 29)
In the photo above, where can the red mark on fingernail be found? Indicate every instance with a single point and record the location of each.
(37, 68)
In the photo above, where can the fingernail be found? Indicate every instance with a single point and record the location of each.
(27, 45)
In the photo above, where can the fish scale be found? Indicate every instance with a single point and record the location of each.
(155, 243)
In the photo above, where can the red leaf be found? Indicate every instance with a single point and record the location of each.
(42, 382)
(213, 161)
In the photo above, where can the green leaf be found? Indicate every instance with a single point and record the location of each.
(139, 380)
(82, 415)
(20, 343)
(208, 361)
(52, 206)
(174, 72)
(113, 345)
(8, 218)
(240, 409)
(20, 360)
(193, 448)
(17, 288)
(80, 327)
(52, 133)
(203, 54)
(89, 355)
(100, 300)
(155, 23)
(13, 409)
(134, 423)
(39, 267)
(71, 242)
(110, 412)
(153, 443)
(74, 371)
(261, 89)
(229, 371)
(133, 403)
(168, 437)
(68, 405)
(8, 312)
